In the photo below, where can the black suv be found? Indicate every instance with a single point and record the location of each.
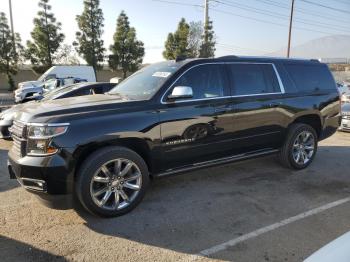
(172, 117)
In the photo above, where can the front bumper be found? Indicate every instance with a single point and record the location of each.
(51, 175)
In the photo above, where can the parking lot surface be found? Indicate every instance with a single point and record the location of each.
(254, 210)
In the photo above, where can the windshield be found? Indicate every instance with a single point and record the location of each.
(42, 77)
(50, 84)
(143, 84)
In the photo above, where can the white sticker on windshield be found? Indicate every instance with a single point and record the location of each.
(162, 74)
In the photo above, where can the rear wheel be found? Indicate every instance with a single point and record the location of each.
(112, 181)
(300, 146)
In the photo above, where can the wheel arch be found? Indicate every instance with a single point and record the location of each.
(312, 119)
(138, 145)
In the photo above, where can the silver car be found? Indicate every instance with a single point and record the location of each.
(80, 89)
(345, 122)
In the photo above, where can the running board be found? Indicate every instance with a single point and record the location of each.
(218, 162)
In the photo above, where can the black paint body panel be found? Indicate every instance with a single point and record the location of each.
(175, 135)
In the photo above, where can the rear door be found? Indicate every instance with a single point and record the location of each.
(258, 117)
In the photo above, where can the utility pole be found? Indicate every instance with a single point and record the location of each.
(12, 29)
(290, 28)
(206, 19)
(206, 12)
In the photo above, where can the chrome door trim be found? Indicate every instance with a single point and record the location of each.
(218, 161)
(280, 83)
(283, 91)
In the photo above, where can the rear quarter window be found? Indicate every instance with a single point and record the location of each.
(311, 77)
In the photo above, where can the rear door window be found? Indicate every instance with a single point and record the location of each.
(310, 77)
(253, 79)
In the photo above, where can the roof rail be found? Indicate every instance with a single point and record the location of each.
(228, 57)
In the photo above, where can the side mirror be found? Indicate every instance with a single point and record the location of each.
(181, 92)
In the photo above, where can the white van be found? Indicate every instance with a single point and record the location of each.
(83, 72)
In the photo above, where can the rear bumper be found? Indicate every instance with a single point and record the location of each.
(331, 125)
(51, 175)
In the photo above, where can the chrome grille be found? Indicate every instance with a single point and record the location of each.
(18, 129)
(18, 132)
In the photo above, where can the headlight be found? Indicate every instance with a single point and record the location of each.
(40, 138)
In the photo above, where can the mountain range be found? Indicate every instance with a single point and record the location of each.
(335, 46)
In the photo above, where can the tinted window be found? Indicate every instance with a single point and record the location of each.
(207, 81)
(310, 77)
(107, 88)
(249, 79)
(98, 89)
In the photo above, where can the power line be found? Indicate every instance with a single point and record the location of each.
(326, 6)
(284, 17)
(304, 11)
(238, 5)
(342, 1)
(242, 16)
(269, 22)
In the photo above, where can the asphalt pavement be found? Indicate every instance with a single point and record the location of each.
(252, 211)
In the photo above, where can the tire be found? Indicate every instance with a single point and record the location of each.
(293, 145)
(103, 172)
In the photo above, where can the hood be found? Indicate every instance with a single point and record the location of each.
(29, 84)
(43, 111)
(10, 114)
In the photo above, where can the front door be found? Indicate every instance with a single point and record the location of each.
(189, 131)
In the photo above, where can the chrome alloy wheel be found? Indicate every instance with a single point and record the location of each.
(116, 184)
(303, 147)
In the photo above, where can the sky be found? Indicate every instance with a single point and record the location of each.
(250, 27)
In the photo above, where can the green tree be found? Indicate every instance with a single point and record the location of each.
(66, 55)
(9, 56)
(46, 36)
(177, 43)
(207, 48)
(195, 39)
(89, 43)
(127, 51)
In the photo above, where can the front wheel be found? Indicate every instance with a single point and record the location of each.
(300, 146)
(112, 181)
